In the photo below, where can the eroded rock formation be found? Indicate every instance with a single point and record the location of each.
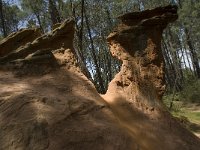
(61, 37)
(136, 91)
(46, 102)
(137, 43)
(17, 39)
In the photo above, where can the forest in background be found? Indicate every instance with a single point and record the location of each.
(95, 19)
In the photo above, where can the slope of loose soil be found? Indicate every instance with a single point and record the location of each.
(59, 110)
(62, 110)
(153, 130)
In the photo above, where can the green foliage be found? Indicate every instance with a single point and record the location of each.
(191, 91)
(173, 102)
(12, 17)
(1, 37)
(36, 13)
(189, 94)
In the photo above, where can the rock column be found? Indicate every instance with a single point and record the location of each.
(137, 43)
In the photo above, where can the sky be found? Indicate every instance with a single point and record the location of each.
(14, 2)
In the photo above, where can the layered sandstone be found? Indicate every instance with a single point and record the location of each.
(61, 37)
(17, 39)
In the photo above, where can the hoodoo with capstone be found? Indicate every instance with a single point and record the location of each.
(47, 103)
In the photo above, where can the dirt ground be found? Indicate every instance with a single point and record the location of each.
(65, 104)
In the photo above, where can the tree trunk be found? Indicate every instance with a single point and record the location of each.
(2, 19)
(98, 72)
(193, 53)
(79, 49)
(39, 22)
(55, 16)
(169, 66)
(188, 58)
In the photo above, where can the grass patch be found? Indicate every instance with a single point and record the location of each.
(193, 116)
(189, 118)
